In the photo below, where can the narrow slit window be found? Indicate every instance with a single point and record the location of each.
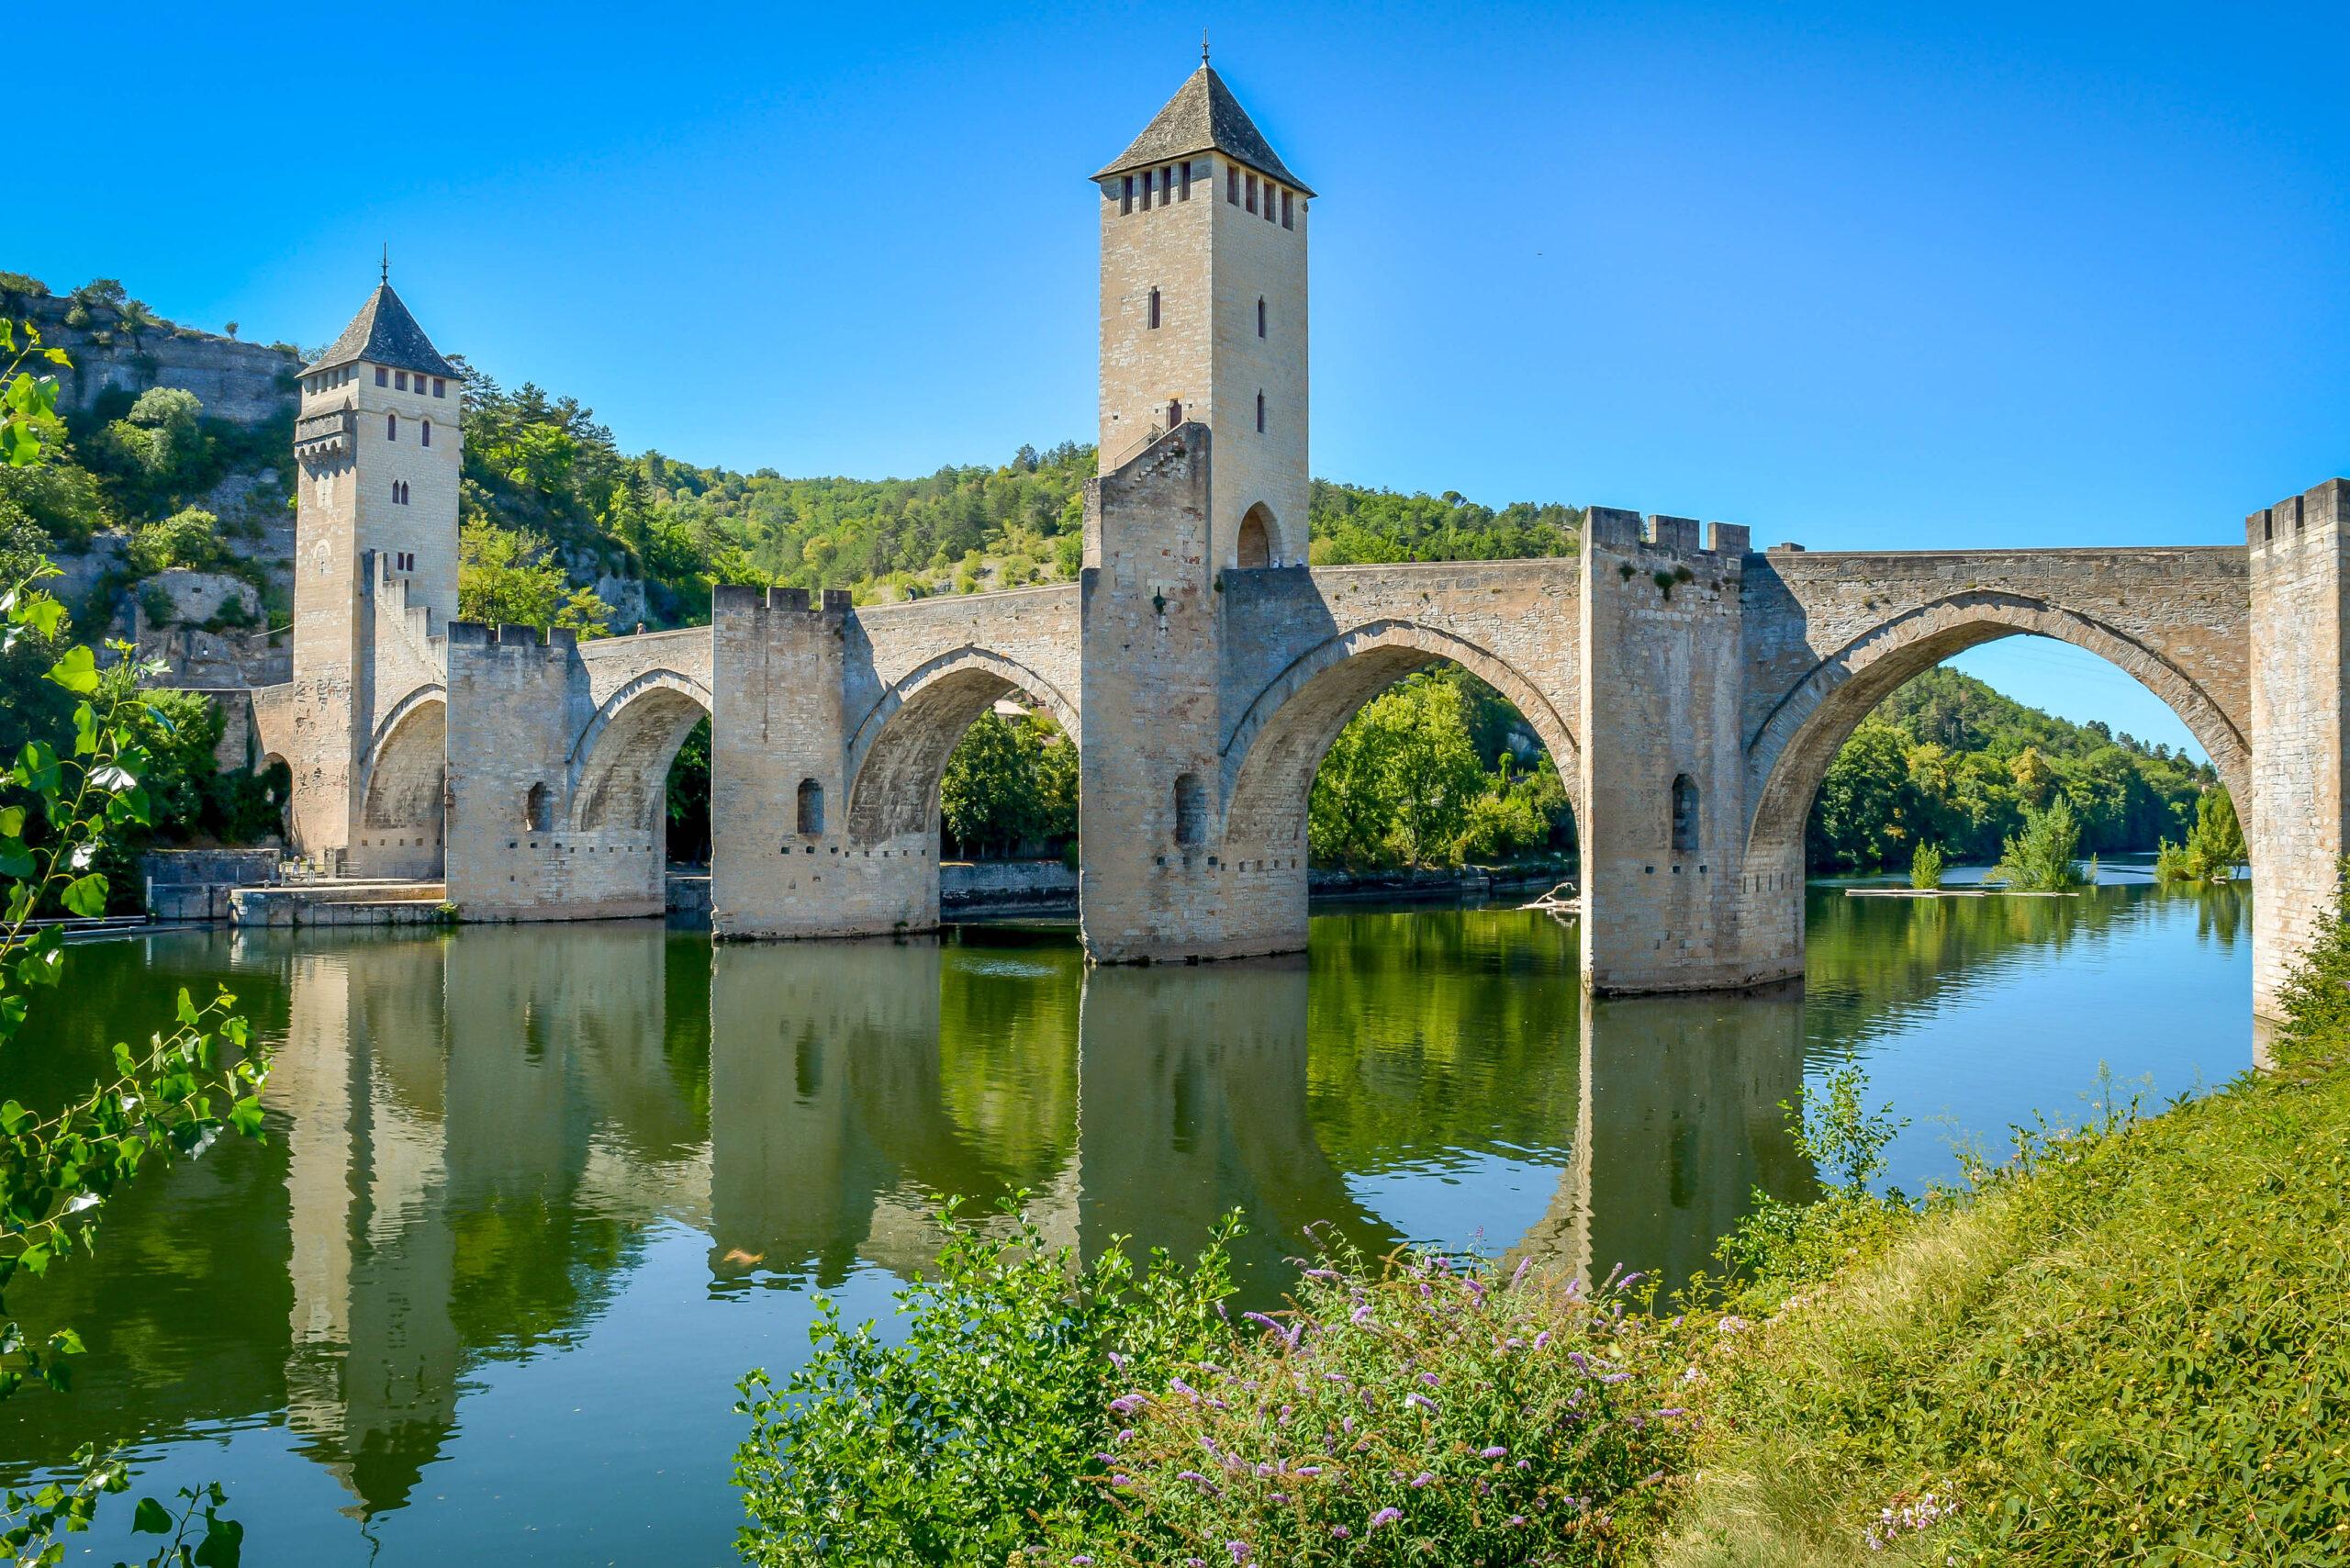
(1183, 189)
(1260, 316)
(424, 438)
(1684, 815)
(1232, 185)
(391, 427)
(1126, 195)
(1250, 203)
(1260, 413)
(1190, 810)
(1286, 207)
(1154, 309)
(1268, 201)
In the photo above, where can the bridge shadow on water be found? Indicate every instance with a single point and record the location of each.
(482, 1144)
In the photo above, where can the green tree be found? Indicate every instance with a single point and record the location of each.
(508, 579)
(2039, 857)
(186, 538)
(1860, 819)
(1397, 786)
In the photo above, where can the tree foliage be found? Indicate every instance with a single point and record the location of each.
(1010, 787)
(508, 579)
(1949, 761)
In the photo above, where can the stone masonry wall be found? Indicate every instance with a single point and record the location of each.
(1661, 638)
(2298, 825)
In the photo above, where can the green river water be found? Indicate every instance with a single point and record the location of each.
(534, 1197)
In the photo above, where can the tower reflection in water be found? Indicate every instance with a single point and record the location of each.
(477, 1140)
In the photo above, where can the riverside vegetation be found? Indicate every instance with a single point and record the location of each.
(198, 1074)
(2126, 1340)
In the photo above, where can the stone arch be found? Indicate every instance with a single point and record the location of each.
(619, 768)
(403, 798)
(1789, 752)
(408, 763)
(1269, 758)
(1254, 548)
(899, 751)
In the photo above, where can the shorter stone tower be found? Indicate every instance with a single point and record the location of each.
(1203, 313)
(377, 446)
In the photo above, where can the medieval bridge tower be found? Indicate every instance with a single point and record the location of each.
(1692, 688)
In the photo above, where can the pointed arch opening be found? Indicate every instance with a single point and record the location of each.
(403, 803)
(1254, 548)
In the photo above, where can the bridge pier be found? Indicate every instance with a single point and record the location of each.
(783, 861)
(1666, 892)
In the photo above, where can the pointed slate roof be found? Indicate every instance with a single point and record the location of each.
(385, 333)
(1203, 115)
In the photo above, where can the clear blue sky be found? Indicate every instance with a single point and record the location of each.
(1870, 276)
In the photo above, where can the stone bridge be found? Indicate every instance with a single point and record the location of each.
(1693, 690)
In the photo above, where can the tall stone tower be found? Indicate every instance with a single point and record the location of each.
(1203, 313)
(377, 445)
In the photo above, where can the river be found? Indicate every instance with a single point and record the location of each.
(533, 1198)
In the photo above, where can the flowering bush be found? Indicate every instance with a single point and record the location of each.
(980, 1433)
(1424, 1412)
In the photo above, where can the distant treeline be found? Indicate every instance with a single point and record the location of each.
(1948, 761)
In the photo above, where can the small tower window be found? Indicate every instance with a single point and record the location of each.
(1190, 810)
(1250, 201)
(811, 807)
(399, 381)
(383, 376)
(1260, 413)
(440, 387)
(1126, 195)
(1268, 201)
(1147, 177)
(1261, 316)
(391, 427)
(1232, 184)
(1183, 189)
(1684, 815)
(1285, 212)
(1154, 309)
(424, 438)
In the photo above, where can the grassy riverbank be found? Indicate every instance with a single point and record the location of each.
(2131, 1344)
(2125, 1342)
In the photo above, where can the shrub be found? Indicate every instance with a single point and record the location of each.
(1926, 867)
(979, 1435)
(2039, 857)
(187, 538)
(2214, 845)
(1422, 1412)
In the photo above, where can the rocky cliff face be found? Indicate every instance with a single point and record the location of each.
(244, 384)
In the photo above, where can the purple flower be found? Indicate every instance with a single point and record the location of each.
(1118, 1362)
(1126, 1434)
(1341, 1531)
(1517, 1521)
(1542, 1339)
(1185, 1389)
(1385, 1516)
(1497, 1451)
(1422, 1479)
(1202, 1482)
(1329, 1274)
(1521, 1464)
(1121, 1480)
(1616, 1377)
(1518, 1274)
(1239, 1550)
(1625, 1282)
(1124, 1404)
(1670, 1411)
(1422, 1400)
(1309, 1470)
(1429, 1378)
(1581, 1364)
(1361, 1314)
(1281, 1496)
(1080, 1561)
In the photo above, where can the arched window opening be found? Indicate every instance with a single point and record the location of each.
(426, 439)
(1684, 815)
(1154, 309)
(391, 427)
(1174, 413)
(1190, 810)
(1261, 316)
(1256, 541)
(811, 807)
(536, 815)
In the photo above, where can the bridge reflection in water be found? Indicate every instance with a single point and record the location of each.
(480, 1142)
